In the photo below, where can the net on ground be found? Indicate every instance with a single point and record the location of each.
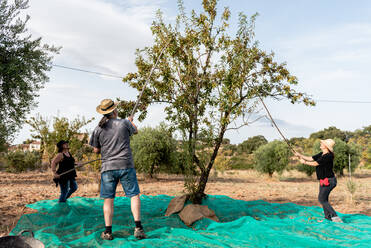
(79, 223)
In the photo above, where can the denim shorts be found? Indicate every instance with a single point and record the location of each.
(110, 179)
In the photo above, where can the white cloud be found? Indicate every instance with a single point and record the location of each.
(94, 34)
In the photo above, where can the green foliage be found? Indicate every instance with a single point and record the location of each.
(19, 161)
(308, 170)
(155, 150)
(352, 187)
(3, 147)
(229, 149)
(355, 155)
(272, 157)
(329, 133)
(368, 156)
(28, 141)
(2, 161)
(62, 129)
(251, 144)
(362, 137)
(222, 163)
(208, 78)
(24, 62)
(242, 162)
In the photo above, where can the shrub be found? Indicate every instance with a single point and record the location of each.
(222, 163)
(368, 162)
(154, 150)
(308, 170)
(241, 162)
(19, 161)
(272, 157)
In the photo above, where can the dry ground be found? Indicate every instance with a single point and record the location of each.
(17, 190)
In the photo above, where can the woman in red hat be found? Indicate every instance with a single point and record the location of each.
(324, 162)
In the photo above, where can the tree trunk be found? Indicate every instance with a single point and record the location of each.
(197, 197)
(152, 170)
(270, 174)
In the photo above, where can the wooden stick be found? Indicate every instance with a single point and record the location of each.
(149, 76)
(80, 165)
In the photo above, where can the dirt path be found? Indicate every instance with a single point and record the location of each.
(18, 190)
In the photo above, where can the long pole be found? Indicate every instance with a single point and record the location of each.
(80, 165)
(275, 125)
(146, 82)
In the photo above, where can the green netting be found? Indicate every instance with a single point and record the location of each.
(79, 223)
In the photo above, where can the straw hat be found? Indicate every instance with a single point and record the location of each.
(329, 143)
(106, 106)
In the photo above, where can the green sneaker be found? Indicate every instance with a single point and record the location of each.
(106, 236)
(139, 233)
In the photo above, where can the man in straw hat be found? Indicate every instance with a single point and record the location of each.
(111, 138)
(324, 163)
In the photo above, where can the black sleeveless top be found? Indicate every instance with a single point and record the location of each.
(326, 164)
(66, 164)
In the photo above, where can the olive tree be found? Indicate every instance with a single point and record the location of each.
(154, 150)
(272, 157)
(24, 61)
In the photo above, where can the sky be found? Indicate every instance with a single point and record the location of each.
(326, 44)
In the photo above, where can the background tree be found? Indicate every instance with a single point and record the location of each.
(24, 62)
(272, 157)
(368, 161)
(251, 144)
(362, 137)
(329, 133)
(62, 129)
(19, 161)
(155, 150)
(208, 80)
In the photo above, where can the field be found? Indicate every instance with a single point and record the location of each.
(18, 190)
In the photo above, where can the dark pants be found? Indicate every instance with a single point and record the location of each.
(68, 186)
(324, 192)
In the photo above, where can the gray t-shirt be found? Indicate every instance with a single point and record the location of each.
(114, 143)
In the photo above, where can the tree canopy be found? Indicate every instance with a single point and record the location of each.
(61, 129)
(208, 79)
(272, 157)
(251, 144)
(329, 133)
(24, 62)
(154, 150)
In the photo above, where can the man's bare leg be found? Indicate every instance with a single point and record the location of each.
(108, 211)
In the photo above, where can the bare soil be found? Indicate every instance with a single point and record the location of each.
(18, 190)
